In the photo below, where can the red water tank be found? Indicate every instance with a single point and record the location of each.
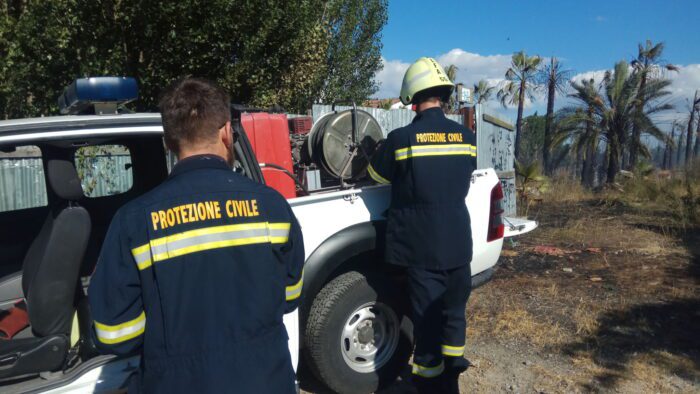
(269, 137)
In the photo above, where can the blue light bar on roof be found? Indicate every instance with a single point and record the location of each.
(101, 94)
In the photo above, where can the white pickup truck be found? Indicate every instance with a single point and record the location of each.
(351, 329)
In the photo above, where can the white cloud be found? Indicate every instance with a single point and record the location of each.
(600, 19)
(472, 67)
(390, 78)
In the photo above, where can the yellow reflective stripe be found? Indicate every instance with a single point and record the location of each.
(121, 332)
(435, 150)
(208, 238)
(293, 292)
(208, 231)
(375, 175)
(428, 372)
(210, 245)
(453, 351)
(277, 229)
(142, 255)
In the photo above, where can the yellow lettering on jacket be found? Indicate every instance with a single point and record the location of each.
(454, 137)
(187, 213)
(431, 137)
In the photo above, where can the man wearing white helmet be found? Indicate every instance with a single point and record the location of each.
(429, 164)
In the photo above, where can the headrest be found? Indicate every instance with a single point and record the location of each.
(64, 180)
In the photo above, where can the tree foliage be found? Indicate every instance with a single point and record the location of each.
(354, 48)
(650, 67)
(555, 79)
(613, 112)
(520, 85)
(483, 91)
(262, 53)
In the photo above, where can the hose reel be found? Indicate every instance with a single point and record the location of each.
(340, 143)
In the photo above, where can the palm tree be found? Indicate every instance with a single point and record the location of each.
(581, 124)
(555, 78)
(483, 91)
(613, 109)
(520, 84)
(647, 65)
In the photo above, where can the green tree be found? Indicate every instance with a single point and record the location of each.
(555, 79)
(647, 65)
(354, 48)
(533, 139)
(521, 82)
(262, 53)
(483, 91)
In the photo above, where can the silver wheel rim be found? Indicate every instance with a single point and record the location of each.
(370, 337)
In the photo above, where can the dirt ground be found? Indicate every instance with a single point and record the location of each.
(611, 303)
(603, 297)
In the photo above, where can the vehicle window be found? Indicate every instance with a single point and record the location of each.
(22, 181)
(104, 170)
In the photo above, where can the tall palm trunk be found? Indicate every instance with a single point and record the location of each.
(689, 139)
(589, 163)
(696, 149)
(613, 159)
(636, 131)
(551, 91)
(588, 170)
(668, 152)
(679, 157)
(519, 122)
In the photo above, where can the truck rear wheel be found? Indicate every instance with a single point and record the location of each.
(357, 340)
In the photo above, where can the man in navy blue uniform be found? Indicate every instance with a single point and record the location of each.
(197, 274)
(429, 164)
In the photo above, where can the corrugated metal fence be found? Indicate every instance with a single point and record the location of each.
(23, 183)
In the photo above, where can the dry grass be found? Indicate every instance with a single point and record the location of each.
(625, 316)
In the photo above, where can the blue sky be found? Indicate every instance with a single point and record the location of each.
(588, 36)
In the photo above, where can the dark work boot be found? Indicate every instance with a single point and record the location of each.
(427, 385)
(450, 382)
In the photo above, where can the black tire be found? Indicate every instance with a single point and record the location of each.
(324, 337)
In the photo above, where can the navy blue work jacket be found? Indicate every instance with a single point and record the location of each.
(429, 164)
(196, 276)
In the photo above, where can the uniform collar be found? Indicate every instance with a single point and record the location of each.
(430, 113)
(199, 162)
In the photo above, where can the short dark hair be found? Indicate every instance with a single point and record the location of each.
(193, 110)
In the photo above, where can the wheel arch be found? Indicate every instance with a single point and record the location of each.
(330, 258)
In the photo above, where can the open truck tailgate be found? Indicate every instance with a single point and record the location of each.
(518, 226)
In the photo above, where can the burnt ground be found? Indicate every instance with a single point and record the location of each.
(603, 297)
(611, 304)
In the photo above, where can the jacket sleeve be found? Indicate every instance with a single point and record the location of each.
(381, 166)
(115, 295)
(292, 255)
